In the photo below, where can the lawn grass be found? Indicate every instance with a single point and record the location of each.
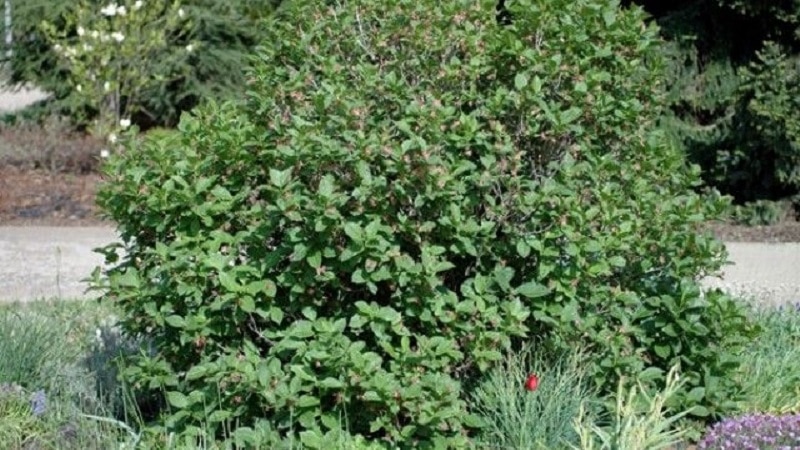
(771, 370)
(58, 388)
(52, 386)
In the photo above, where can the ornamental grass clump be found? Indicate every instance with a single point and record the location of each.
(754, 431)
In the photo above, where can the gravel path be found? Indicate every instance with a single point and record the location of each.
(50, 262)
(11, 100)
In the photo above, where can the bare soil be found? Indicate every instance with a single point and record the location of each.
(38, 197)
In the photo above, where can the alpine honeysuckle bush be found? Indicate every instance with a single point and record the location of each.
(111, 53)
(409, 189)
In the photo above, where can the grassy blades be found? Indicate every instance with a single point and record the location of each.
(770, 374)
(49, 387)
(541, 419)
(639, 422)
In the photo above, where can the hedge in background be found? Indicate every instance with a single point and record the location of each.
(224, 33)
(410, 189)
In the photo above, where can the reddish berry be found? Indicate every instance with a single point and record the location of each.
(532, 382)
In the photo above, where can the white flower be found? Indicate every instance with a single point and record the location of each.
(112, 138)
(121, 11)
(87, 47)
(81, 31)
(125, 123)
(190, 48)
(109, 10)
(106, 86)
(137, 5)
(181, 13)
(79, 88)
(104, 153)
(57, 48)
(95, 34)
(117, 36)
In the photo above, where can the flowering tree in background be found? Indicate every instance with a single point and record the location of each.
(110, 54)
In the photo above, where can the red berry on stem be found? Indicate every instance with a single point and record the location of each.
(532, 382)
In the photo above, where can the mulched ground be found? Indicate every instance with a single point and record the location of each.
(40, 197)
(45, 198)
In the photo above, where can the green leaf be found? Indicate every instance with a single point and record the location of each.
(221, 193)
(331, 383)
(314, 260)
(219, 415)
(663, 351)
(354, 232)
(326, 186)
(520, 81)
(617, 261)
(696, 394)
(247, 304)
(523, 249)
(570, 115)
(270, 289)
(307, 401)
(312, 439)
(280, 178)
(609, 17)
(175, 321)
(229, 282)
(537, 84)
(276, 315)
(302, 329)
(177, 399)
(533, 289)
(196, 372)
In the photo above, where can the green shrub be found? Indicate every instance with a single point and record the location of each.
(222, 34)
(761, 212)
(410, 190)
(769, 102)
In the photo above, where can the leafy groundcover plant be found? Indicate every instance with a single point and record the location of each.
(411, 189)
(755, 431)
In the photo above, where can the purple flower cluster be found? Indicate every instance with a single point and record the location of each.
(754, 432)
(38, 400)
(38, 403)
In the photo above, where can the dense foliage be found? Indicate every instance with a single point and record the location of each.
(223, 34)
(734, 91)
(410, 189)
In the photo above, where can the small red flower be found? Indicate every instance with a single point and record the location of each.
(532, 382)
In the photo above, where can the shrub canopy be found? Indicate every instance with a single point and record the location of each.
(410, 189)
